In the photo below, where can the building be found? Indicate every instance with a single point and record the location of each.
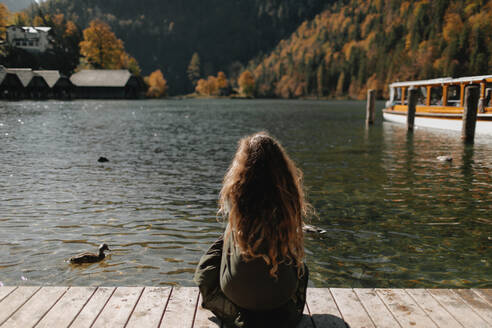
(29, 38)
(10, 85)
(60, 86)
(106, 84)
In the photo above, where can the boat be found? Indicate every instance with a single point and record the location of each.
(440, 103)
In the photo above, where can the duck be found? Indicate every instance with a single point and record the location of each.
(88, 257)
(312, 229)
(444, 158)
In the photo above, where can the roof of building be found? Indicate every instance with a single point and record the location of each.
(32, 29)
(101, 78)
(7, 77)
(444, 80)
(50, 76)
(25, 74)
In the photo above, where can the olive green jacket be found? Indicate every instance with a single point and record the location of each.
(250, 297)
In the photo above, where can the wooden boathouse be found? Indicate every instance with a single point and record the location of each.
(10, 85)
(106, 84)
(25, 83)
(177, 307)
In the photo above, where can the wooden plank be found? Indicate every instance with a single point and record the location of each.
(150, 307)
(458, 308)
(35, 308)
(119, 308)
(92, 309)
(351, 309)
(486, 294)
(67, 308)
(404, 309)
(433, 309)
(376, 309)
(5, 291)
(479, 305)
(323, 309)
(15, 300)
(181, 307)
(205, 318)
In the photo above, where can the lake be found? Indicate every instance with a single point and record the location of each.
(394, 215)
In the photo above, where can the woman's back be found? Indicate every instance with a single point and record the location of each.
(249, 284)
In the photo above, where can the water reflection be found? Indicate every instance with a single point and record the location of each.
(394, 214)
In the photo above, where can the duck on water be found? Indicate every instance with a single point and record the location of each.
(88, 257)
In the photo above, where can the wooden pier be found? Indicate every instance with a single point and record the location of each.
(142, 307)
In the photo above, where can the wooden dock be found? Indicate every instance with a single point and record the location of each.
(142, 307)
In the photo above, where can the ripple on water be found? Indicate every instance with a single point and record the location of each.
(394, 215)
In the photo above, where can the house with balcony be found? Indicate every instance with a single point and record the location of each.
(29, 38)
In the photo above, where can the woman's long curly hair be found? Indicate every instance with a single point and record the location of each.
(262, 196)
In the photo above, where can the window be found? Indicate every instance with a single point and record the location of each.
(396, 95)
(421, 95)
(488, 86)
(436, 96)
(454, 95)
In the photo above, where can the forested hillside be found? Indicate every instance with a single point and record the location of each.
(165, 34)
(357, 45)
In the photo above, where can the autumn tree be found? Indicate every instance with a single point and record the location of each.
(4, 17)
(194, 69)
(157, 84)
(101, 49)
(246, 83)
(222, 84)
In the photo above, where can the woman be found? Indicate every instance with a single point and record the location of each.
(254, 274)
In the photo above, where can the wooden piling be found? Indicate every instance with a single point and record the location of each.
(412, 106)
(470, 114)
(371, 102)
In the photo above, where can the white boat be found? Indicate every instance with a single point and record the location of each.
(440, 103)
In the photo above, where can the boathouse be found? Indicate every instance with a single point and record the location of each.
(34, 86)
(60, 86)
(10, 85)
(106, 84)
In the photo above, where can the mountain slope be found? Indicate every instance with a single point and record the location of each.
(358, 45)
(165, 34)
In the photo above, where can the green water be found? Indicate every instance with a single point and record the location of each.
(395, 216)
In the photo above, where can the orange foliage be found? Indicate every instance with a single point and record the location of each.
(101, 49)
(71, 29)
(4, 16)
(157, 84)
(246, 83)
(212, 86)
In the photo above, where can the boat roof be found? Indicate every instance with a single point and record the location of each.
(443, 80)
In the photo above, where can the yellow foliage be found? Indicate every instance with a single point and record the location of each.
(453, 25)
(404, 8)
(212, 86)
(38, 21)
(100, 46)
(157, 84)
(246, 83)
(4, 17)
(70, 29)
(222, 82)
(101, 49)
(58, 19)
